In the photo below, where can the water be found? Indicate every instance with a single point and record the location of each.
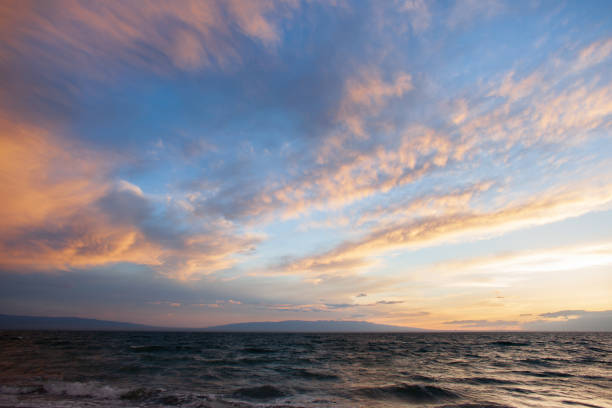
(106, 369)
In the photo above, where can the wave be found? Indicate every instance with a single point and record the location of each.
(87, 389)
(254, 361)
(545, 374)
(486, 380)
(421, 378)
(139, 394)
(599, 350)
(101, 370)
(92, 390)
(257, 350)
(477, 405)
(149, 348)
(263, 392)
(408, 392)
(584, 404)
(518, 390)
(508, 343)
(22, 390)
(315, 375)
(156, 396)
(596, 377)
(537, 362)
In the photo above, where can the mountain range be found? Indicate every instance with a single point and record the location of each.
(11, 322)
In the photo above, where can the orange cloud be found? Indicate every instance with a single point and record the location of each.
(551, 207)
(60, 211)
(556, 103)
(366, 94)
(43, 176)
(353, 175)
(454, 201)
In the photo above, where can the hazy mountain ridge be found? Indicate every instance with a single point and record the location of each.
(311, 326)
(11, 322)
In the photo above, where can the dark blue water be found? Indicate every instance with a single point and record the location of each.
(106, 369)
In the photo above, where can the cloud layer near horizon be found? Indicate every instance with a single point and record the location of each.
(293, 155)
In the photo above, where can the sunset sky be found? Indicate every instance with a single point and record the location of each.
(435, 164)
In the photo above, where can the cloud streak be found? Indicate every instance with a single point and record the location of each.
(473, 324)
(188, 36)
(432, 230)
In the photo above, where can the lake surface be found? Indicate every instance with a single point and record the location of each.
(137, 369)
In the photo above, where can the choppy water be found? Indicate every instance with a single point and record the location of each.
(105, 369)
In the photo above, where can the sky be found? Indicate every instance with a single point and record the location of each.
(434, 164)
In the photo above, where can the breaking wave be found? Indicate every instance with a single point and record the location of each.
(408, 392)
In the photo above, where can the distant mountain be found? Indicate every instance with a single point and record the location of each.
(319, 326)
(8, 322)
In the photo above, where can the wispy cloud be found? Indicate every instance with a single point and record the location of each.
(188, 36)
(467, 11)
(483, 323)
(550, 207)
(342, 177)
(419, 14)
(527, 262)
(430, 204)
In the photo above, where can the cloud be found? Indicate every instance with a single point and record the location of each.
(553, 106)
(210, 305)
(593, 54)
(366, 94)
(483, 323)
(342, 176)
(465, 12)
(152, 34)
(299, 308)
(352, 305)
(527, 262)
(558, 102)
(167, 303)
(573, 320)
(62, 212)
(413, 314)
(420, 15)
(550, 207)
(44, 176)
(341, 305)
(239, 116)
(564, 313)
(429, 204)
(389, 302)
